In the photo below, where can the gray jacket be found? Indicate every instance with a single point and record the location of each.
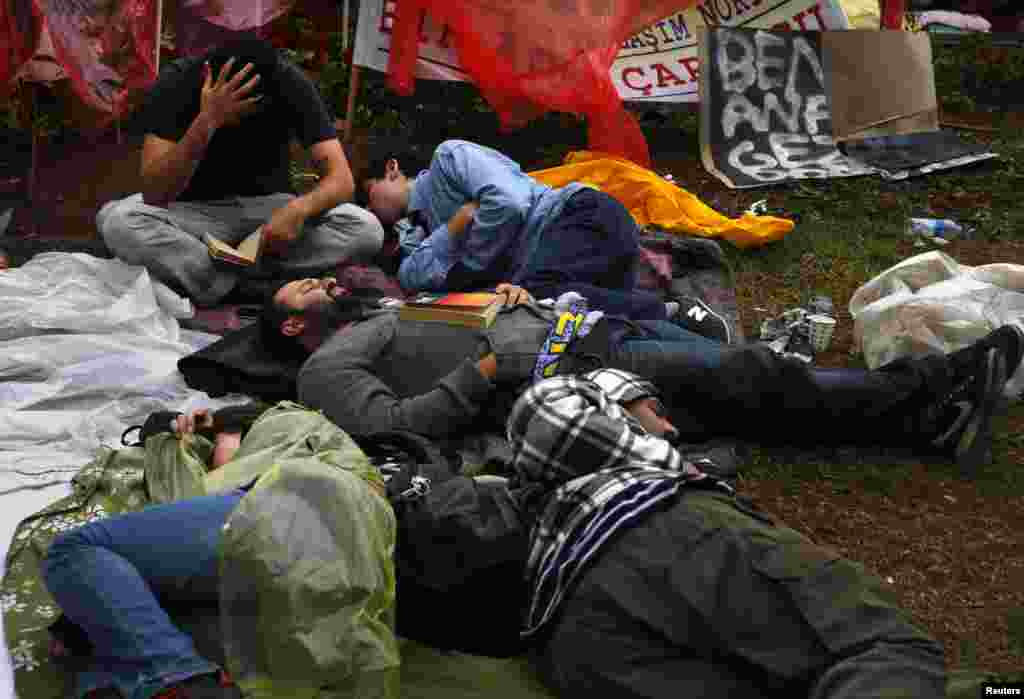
(385, 374)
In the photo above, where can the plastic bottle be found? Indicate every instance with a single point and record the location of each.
(944, 229)
(820, 304)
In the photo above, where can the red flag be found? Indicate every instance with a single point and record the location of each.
(20, 29)
(106, 49)
(532, 56)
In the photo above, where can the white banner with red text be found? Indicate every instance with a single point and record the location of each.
(659, 64)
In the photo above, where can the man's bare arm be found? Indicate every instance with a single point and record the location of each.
(168, 166)
(336, 184)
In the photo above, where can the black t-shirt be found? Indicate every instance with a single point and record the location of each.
(251, 158)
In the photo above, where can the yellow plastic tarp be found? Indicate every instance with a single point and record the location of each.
(652, 200)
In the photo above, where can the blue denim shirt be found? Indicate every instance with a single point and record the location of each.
(514, 211)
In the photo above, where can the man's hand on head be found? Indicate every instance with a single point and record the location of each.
(227, 100)
(283, 228)
(462, 218)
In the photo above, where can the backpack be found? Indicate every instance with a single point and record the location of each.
(461, 548)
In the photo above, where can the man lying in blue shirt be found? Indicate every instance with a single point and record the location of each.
(488, 222)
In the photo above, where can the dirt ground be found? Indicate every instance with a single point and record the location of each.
(950, 550)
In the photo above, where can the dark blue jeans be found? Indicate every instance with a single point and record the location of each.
(747, 391)
(110, 577)
(592, 248)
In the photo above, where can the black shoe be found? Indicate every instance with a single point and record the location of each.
(698, 317)
(104, 693)
(800, 347)
(962, 419)
(213, 686)
(1009, 339)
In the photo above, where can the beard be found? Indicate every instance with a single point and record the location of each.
(327, 317)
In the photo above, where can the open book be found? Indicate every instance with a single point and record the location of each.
(246, 253)
(471, 309)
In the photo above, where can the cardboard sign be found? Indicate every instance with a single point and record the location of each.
(764, 109)
(662, 63)
(863, 107)
(659, 64)
(774, 105)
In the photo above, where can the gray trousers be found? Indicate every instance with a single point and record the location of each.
(708, 599)
(169, 241)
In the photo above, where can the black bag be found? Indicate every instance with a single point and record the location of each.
(461, 549)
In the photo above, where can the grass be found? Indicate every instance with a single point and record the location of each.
(849, 231)
(951, 547)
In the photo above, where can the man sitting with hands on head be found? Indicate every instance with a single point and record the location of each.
(215, 161)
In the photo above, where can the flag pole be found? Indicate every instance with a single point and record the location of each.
(344, 22)
(33, 169)
(159, 34)
(353, 77)
(350, 112)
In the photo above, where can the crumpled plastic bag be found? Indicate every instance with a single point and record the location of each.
(930, 304)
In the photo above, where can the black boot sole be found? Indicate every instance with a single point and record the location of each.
(974, 446)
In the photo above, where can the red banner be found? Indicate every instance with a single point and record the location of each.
(20, 29)
(105, 48)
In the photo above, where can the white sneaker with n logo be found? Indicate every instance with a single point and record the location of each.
(698, 317)
(697, 313)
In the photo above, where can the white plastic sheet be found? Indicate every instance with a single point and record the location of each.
(931, 304)
(88, 348)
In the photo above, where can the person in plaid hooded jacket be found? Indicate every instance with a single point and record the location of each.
(650, 577)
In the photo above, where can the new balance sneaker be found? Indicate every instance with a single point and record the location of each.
(962, 418)
(698, 317)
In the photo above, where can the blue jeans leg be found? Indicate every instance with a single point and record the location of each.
(748, 391)
(107, 576)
